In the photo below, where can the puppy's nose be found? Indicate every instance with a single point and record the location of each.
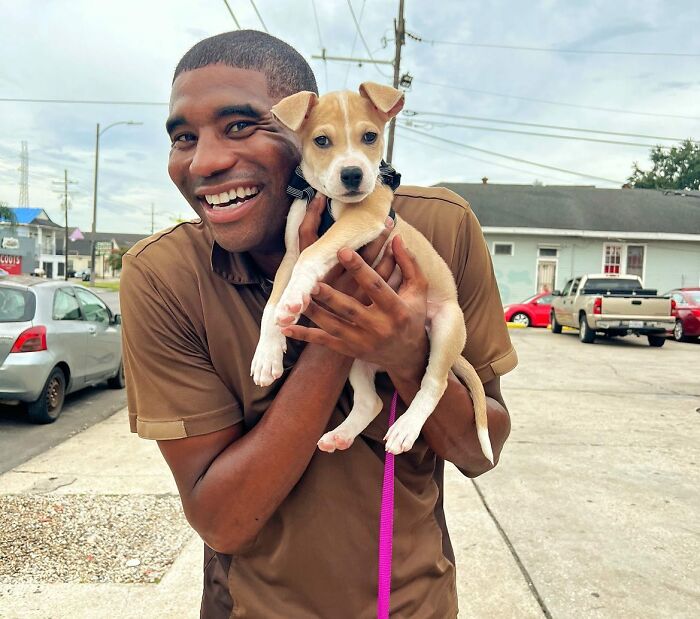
(351, 177)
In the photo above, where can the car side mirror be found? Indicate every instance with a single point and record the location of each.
(116, 319)
(556, 293)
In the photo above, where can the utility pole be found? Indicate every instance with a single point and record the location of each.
(24, 176)
(66, 182)
(152, 215)
(400, 31)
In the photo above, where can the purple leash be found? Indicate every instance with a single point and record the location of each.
(386, 527)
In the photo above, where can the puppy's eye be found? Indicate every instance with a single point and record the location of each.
(370, 137)
(322, 141)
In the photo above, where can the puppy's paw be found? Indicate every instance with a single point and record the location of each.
(290, 307)
(402, 434)
(266, 367)
(335, 439)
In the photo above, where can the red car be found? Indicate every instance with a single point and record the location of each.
(687, 313)
(532, 312)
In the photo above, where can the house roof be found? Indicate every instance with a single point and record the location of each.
(122, 239)
(582, 208)
(36, 216)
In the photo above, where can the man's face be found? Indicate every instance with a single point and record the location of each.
(229, 157)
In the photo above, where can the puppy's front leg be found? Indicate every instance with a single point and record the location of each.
(354, 229)
(266, 366)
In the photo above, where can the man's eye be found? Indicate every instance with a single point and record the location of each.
(369, 138)
(183, 138)
(322, 141)
(237, 127)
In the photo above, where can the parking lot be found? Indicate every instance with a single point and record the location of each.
(596, 495)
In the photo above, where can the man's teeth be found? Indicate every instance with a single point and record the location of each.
(227, 197)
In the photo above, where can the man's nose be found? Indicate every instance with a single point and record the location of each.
(351, 177)
(212, 155)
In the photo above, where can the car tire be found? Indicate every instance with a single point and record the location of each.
(678, 333)
(585, 334)
(520, 319)
(556, 327)
(50, 403)
(656, 340)
(117, 381)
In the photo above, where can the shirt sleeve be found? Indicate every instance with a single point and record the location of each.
(173, 390)
(488, 346)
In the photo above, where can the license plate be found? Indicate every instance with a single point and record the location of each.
(636, 324)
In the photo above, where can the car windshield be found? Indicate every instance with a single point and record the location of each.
(694, 296)
(613, 284)
(16, 305)
(529, 299)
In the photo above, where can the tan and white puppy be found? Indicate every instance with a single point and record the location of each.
(342, 143)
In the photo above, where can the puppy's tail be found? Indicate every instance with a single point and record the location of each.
(463, 369)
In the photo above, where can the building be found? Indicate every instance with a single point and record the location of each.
(31, 243)
(79, 247)
(541, 236)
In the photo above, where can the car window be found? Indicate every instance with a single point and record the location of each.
(65, 305)
(16, 305)
(546, 300)
(566, 288)
(694, 296)
(93, 307)
(574, 286)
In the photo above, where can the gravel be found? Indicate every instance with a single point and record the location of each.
(89, 539)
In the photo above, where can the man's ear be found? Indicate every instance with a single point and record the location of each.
(294, 109)
(386, 99)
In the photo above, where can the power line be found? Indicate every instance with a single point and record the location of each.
(259, 16)
(362, 38)
(232, 15)
(320, 40)
(532, 163)
(354, 42)
(555, 50)
(574, 105)
(537, 134)
(84, 102)
(459, 154)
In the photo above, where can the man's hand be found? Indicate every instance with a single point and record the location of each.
(387, 330)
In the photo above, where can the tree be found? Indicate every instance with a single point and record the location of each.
(674, 168)
(114, 260)
(7, 214)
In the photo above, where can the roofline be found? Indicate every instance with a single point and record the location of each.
(594, 234)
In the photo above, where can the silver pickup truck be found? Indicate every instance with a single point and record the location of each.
(612, 305)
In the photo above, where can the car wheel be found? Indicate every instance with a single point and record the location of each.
(50, 403)
(117, 381)
(585, 333)
(678, 334)
(521, 319)
(656, 340)
(556, 327)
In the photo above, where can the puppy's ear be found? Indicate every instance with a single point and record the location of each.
(386, 99)
(294, 109)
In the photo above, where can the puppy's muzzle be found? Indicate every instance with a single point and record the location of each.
(351, 177)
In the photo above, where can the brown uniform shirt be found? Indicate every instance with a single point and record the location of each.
(191, 321)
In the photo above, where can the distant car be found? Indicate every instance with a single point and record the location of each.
(532, 312)
(687, 313)
(83, 275)
(3, 274)
(55, 338)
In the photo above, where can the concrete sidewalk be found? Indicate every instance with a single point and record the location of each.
(106, 464)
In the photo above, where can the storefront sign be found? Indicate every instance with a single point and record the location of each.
(9, 242)
(12, 264)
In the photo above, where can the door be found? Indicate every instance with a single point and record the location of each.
(546, 275)
(542, 310)
(70, 333)
(104, 339)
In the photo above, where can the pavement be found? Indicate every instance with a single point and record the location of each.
(592, 511)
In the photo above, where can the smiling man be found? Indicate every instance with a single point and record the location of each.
(294, 531)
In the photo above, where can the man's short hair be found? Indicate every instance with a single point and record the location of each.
(286, 70)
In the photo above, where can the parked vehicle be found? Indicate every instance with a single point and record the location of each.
(687, 313)
(3, 274)
(613, 305)
(532, 312)
(83, 275)
(55, 338)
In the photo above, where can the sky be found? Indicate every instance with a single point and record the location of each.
(126, 51)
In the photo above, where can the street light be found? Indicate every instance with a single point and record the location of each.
(98, 133)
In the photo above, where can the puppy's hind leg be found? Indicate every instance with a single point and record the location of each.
(365, 407)
(447, 335)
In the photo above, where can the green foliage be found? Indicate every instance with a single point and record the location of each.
(674, 168)
(115, 259)
(7, 214)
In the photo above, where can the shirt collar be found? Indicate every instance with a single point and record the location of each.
(235, 268)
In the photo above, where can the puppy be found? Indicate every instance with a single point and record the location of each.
(341, 135)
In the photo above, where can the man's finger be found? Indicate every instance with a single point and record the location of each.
(346, 307)
(308, 230)
(368, 279)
